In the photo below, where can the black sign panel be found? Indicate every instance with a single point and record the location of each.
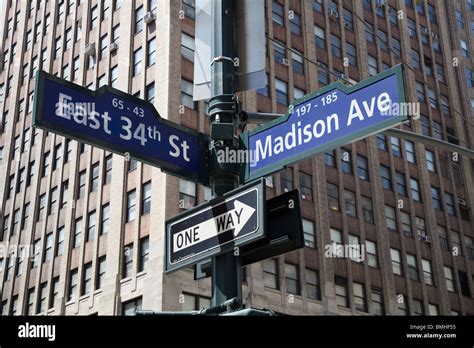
(284, 233)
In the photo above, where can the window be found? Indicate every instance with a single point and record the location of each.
(412, 268)
(139, 14)
(144, 254)
(373, 68)
(469, 246)
(367, 211)
(456, 242)
(427, 274)
(333, 196)
(187, 94)
(31, 300)
(137, 61)
(449, 202)
(151, 49)
(189, 8)
(286, 180)
(292, 279)
(91, 226)
(187, 47)
(94, 17)
(382, 40)
(281, 89)
(77, 233)
(336, 241)
(396, 261)
(277, 13)
(401, 184)
(312, 284)
(101, 272)
(86, 279)
(108, 170)
(195, 302)
(348, 20)
(295, 24)
(72, 285)
(435, 198)
(130, 307)
(306, 187)
(150, 92)
(418, 307)
(443, 237)
(60, 241)
(46, 163)
(415, 190)
(330, 159)
(318, 6)
(114, 77)
(270, 274)
(297, 64)
(464, 50)
(65, 193)
(336, 46)
(103, 46)
(43, 297)
(381, 142)
(131, 205)
(187, 194)
(346, 161)
(95, 177)
(279, 52)
(48, 253)
(448, 275)
(104, 226)
(127, 260)
(385, 177)
(342, 298)
(360, 302)
(396, 150)
(369, 33)
(390, 218)
(81, 192)
(406, 224)
(319, 37)
(350, 203)
(409, 151)
(309, 234)
(42, 207)
(377, 302)
(355, 253)
(430, 161)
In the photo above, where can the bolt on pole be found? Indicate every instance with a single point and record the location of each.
(224, 177)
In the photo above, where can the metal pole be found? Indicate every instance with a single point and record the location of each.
(226, 268)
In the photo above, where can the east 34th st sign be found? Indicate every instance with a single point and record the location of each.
(119, 122)
(323, 120)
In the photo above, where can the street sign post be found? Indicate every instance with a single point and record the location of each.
(121, 123)
(216, 227)
(323, 120)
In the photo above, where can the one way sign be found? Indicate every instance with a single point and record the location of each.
(216, 227)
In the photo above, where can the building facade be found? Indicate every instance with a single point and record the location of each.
(82, 229)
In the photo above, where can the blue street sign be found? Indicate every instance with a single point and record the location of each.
(121, 123)
(323, 120)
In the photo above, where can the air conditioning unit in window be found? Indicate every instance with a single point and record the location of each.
(149, 17)
(461, 201)
(427, 239)
(90, 49)
(382, 3)
(284, 61)
(347, 25)
(113, 47)
(435, 36)
(425, 31)
(333, 14)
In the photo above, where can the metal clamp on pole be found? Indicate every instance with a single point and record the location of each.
(227, 306)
